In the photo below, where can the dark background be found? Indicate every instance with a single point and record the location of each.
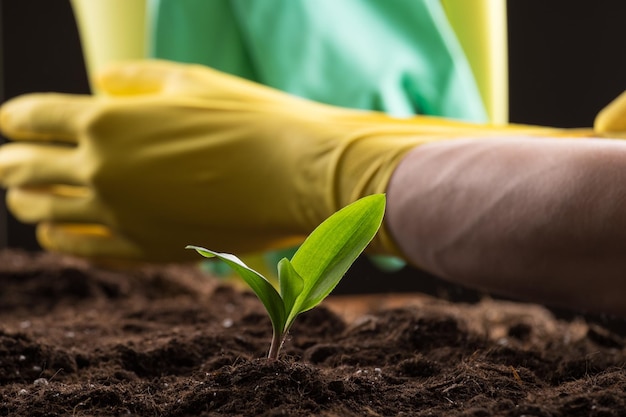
(567, 61)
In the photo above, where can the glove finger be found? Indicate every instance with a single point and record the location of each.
(87, 240)
(612, 119)
(139, 77)
(45, 117)
(27, 164)
(33, 205)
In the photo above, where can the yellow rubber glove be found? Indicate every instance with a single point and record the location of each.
(611, 121)
(178, 154)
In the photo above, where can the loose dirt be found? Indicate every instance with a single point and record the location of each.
(81, 340)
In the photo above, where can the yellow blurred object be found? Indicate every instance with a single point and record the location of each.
(174, 154)
(481, 28)
(110, 30)
(611, 121)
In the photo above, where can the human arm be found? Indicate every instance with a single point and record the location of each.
(532, 218)
(172, 154)
(178, 154)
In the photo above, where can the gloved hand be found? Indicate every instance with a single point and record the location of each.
(178, 154)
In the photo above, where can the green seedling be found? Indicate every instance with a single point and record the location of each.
(315, 269)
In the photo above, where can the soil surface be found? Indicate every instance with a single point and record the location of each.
(76, 340)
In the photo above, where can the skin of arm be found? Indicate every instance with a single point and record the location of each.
(538, 219)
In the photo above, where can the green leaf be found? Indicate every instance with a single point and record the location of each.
(260, 285)
(328, 252)
(290, 283)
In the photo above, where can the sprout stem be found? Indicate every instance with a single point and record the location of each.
(277, 343)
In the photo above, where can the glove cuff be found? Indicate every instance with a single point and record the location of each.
(371, 146)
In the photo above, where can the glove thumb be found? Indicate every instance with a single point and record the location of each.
(612, 119)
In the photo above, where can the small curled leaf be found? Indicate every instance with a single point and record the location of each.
(258, 283)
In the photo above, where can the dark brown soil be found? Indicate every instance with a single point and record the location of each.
(170, 341)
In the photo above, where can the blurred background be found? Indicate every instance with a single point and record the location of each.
(566, 62)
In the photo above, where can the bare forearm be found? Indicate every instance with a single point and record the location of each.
(540, 219)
